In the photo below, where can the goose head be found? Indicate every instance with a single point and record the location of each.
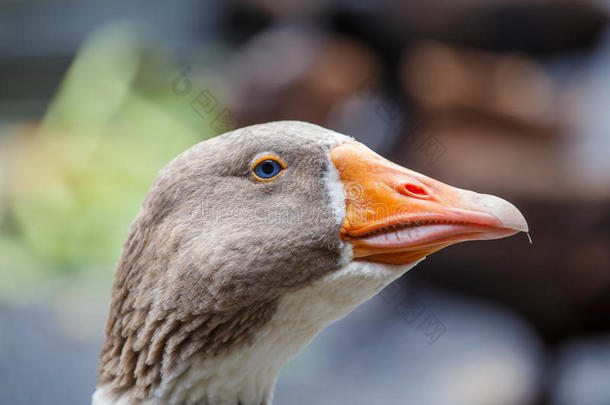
(249, 244)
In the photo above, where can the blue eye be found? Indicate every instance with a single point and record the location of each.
(267, 169)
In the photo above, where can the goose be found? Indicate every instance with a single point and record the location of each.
(252, 242)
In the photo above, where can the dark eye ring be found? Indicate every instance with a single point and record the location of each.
(268, 168)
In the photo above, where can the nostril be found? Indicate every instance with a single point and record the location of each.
(413, 190)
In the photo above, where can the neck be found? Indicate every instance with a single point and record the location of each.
(247, 374)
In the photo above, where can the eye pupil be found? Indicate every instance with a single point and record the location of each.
(268, 168)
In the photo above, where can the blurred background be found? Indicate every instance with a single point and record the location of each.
(509, 97)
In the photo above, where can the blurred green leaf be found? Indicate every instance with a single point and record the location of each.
(77, 183)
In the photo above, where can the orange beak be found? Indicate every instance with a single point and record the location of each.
(397, 216)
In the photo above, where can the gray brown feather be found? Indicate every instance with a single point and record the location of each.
(213, 250)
